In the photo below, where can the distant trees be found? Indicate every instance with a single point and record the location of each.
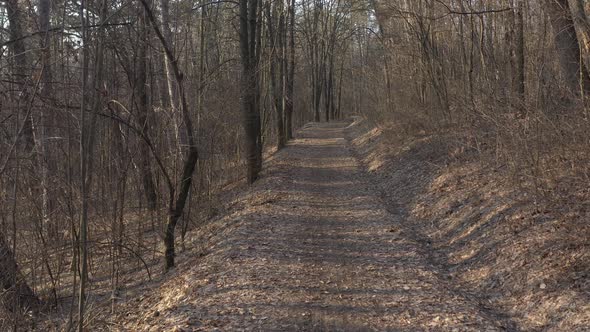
(508, 78)
(475, 30)
(280, 22)
(325, 26)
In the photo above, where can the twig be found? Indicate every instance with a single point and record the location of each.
(215, 3)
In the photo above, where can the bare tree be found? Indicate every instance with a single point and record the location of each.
(290, 73)
(249, 30)
(178, 194)
(144, 109)
(277, 76)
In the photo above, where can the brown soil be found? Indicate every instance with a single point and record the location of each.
(314, 246)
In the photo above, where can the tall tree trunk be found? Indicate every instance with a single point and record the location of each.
(173, 97)
(16, 292)
(167, 32)
(284, 66)
(339, 109)
(179, 193)
(331, 32)
(568, 48)
(46, 165)
(291, 74)
(275, 37)
(330, 88)
(582, 25)
(382, 20)
(520, 56)
(21, 67)
(249, 86)
(256, 31)
(87, 142)
(316, 61)
(143, 111)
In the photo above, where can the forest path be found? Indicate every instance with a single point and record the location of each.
(321, 253)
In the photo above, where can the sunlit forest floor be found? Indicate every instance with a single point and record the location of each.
(348, 230)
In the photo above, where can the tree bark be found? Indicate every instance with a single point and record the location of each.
(177, 205)
(582, 25)
(275, 38)
(179, 193)
(15, 293)
(249, 86)
(21, 67)
(46, 164)
(520, 56)
(568, 48)
(167, 32)
(143, 111)
(291, 74)
(14, 287)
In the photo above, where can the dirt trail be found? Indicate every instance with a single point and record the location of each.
(320, 252)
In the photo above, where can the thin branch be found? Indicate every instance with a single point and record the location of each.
(140, 133)
(478, 12)
(215, 3)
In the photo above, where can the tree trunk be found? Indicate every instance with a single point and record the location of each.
(15, 293)
(46, 165)
(567, 45)
(177, 205)
(15, 290)
(167, 32)
(339, 109)
(143, 111)
(21, 67)
(582, 25)
(249, 86)
(178, 194)
(173, 98)
(290, 74)
(520, 56)
(275, 38)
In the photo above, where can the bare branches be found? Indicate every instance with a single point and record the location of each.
(236, 3)
(63, 29)
(452, 11)
(402, 13)
(177, 195)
